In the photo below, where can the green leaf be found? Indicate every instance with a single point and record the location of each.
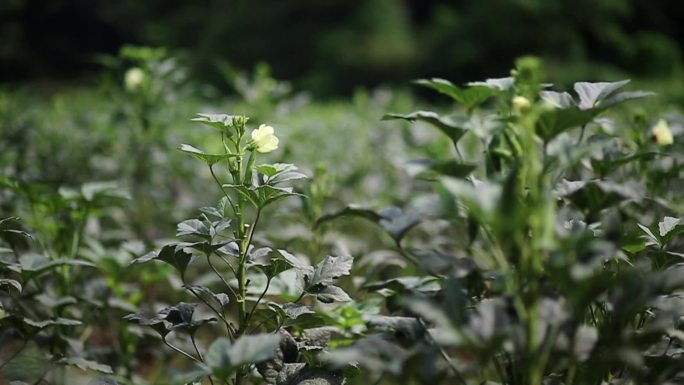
(555, 121)
(32, 265)
(224, 358)
(218, 121)
(304, 270)
(479, 197)
(562, 100)
(408, 327)
(606, 166)
(624, 96)
(294, 310)
(193, 227)
(180, 316)
(669, 228)
(209, 159)
(84, 364)
(262, 196)
(595, 195)
(279, 173)
(59, 321)
(451, 127)
(156, 323)
(498, 84)
(102, 381)
(173, 254)
(271, 266)
(374, 353)
(330, 269)
(350, 210)
(469, 97)
(329, 293)
(391, 219)
(221, 299)
(427, 169)
(103, 192)
(591, 93)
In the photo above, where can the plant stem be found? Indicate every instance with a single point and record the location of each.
(230, 288)
(11, 357)
(180, 351)
(442, 352)
(251, 313)
(225, 193)
(230, 330)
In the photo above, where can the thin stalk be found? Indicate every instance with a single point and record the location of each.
(16, 353)
(442, 352)
(199, 354)
(228, 264)
(255, 328)
(499, 370)
(211, 265)
(225, 193)
(219, 314)
(251, 313)
(581, 134)
(187, 355)
(251, 230)
(570, 376)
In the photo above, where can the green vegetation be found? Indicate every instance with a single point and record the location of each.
(152, 231)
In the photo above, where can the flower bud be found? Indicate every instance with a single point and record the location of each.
(520, 105)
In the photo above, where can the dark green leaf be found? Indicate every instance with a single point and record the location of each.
(591, 93)
(156, 323)
(102, 381)
(669, 228)
(103, 191)
(209, 159)
(562, 100)
(279, 173)
(498, 84)
(173, 254)
(331, 268)
(221, 299)
(406, 327)
(430, 170)
(373, 353)
(193, 227)
(555, 121)
(329, 293)
(264, 195)
(224, 358)
(392, 219)
(294, 310)
(351, 210)
(218, 121)
(469, 97)
(84, 364)
(270, 266)
(452, 127)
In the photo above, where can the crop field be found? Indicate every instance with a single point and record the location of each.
(521, 228)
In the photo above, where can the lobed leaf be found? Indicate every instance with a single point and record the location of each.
(209, 159)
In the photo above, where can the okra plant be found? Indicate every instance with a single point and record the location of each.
(560, 263)
(254, 292)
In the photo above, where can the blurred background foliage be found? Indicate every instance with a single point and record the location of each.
(329, 47)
